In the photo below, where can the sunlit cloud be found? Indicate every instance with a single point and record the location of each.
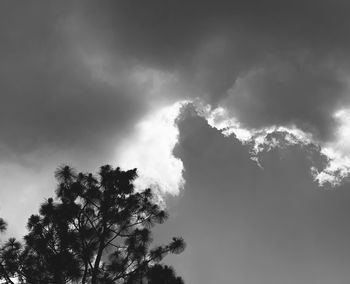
(338, 152)
(150, 147)
(150, 150)
(263, 139)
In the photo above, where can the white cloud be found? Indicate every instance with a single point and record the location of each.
(338, 152)
(342, 140)
(219, 119)
(150, 150)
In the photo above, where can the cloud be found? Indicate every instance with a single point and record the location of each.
(150, 150)
(77, 77)
(276, 63)
(95, 70)
(268, 72)
(275, 222)
(49, 98)
(338, 151)
(288, 93)
(335, 167)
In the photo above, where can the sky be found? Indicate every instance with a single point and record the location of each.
(237, 113)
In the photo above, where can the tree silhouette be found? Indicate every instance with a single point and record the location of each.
(9, 256)
(159, 274)
(97, 230)
(3, 225)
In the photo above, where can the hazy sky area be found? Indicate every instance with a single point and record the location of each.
(236, 112)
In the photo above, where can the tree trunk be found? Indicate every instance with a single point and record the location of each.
(85, 273)
(98, 258)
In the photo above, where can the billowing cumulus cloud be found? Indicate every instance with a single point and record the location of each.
(150, 150)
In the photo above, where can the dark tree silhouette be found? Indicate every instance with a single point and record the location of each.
(3, 225)
(9, 256)
(97, 230)
(159, 274)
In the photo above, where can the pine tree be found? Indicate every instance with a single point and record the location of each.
(96, 230)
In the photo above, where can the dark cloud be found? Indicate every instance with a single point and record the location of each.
(271, 62)
(79, 75)
(247, 225)
(49, 99)
(284, 93)
(286, 61)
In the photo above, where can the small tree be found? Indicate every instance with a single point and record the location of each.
(96, 231)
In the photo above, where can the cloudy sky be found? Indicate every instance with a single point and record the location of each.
(236, 112)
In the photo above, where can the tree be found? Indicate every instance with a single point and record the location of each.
(97, 230)
(9, 256)
(3, 225)
(159, 274)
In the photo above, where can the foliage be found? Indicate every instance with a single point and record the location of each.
(97, 230)
(9, 256)
(159, 274)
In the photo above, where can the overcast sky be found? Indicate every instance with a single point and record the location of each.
(236, 112)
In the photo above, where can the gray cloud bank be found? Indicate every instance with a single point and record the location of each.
(269, 63)
(247, 225)
(77, 77)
